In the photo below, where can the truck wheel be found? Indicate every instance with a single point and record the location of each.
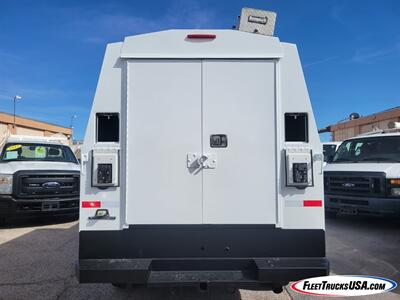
(120, 285)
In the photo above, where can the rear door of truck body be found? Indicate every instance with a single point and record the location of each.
(174, 106)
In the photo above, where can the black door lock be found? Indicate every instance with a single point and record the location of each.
(218, 141)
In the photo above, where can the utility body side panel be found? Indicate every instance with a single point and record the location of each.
(294, 98)
(110, 94)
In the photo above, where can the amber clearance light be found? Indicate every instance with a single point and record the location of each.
(395, 181)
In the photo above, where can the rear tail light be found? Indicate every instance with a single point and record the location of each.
(312, 203)
(201, 36)
(91, 204)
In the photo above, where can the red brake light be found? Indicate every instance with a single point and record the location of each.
(312, 203)
(91, 204)
(201, 36)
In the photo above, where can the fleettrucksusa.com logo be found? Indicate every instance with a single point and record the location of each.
(344, 285)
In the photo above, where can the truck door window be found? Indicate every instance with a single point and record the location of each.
(329, 152)
(296, 127)
(108, 127)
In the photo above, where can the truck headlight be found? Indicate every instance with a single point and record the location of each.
(396, 192)
(6, 182)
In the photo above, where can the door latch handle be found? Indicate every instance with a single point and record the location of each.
(210, 161)
(102, 214)
(201, 161)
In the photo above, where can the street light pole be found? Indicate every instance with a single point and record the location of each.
(71, 125)
(16, 98)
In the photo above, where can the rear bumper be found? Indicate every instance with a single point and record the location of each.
(12, 207)
(362, 205)
(253, 273)
(244, 256)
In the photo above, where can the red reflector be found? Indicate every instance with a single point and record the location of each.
(201, 36)
(91, 204)
(312, 203)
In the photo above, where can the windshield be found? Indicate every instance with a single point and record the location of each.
(37, 152)
(374, 149)
(329, 151)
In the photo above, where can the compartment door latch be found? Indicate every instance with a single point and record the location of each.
(201, 161)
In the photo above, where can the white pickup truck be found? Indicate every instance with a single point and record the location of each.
(364, 176)
(38, 176)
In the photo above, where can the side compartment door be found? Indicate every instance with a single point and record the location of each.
(164, 125)
(239, 103)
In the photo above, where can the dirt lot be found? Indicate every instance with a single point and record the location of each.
(37, 261)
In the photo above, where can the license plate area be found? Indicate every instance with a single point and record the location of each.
(49, 206)
(348, 210)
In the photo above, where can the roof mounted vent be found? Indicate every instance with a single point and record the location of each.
(257, 21)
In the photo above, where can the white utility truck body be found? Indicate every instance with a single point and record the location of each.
(201, 164)
(364, 176)
(38, 176)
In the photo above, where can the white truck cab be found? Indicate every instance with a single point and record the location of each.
(364, 176)
(38, 176)
(201, 163)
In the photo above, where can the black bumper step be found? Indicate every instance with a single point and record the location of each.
(183, 272)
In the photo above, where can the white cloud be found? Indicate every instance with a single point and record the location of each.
(9, 88)
(320, 61)
(337, 14)
(100, 27)
(9, 56)
(371, 55)
(189, 14)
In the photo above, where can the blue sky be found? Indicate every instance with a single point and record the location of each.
(51, 51)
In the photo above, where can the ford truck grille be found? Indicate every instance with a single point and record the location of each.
(46, 184)
(368, 184)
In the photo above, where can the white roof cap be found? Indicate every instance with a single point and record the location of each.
(225, 44)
